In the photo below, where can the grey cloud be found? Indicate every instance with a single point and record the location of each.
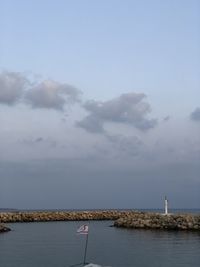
(128, 108)
(39, 139)
(32, 141)
(12, 85)
(195, 115)
(48, 94)
(167, 118)
(52, 95)
(92, 124)
(117, 147)
(127, 145)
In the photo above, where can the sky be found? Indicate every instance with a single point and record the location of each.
(99, 104)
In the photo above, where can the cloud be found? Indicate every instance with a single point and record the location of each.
(125, 145)
(12, 85)
(120, 147)
(195, 115)
(39, 139)
(48, 94)
(167, 118)
(52, 95)
(32, 141)
(92, 124)
(128, 109)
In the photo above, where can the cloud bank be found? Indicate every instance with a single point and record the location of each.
(130, 109)
(45, 151)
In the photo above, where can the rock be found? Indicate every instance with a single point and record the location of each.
(4, 228)
(158, 221)
(41, 216)
(127, 219)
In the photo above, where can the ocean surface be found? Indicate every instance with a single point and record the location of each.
(56, 244)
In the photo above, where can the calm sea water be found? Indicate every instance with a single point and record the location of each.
(56, 244)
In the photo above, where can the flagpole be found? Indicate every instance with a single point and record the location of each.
(85, 253)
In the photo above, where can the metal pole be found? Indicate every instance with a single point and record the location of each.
(85, 254)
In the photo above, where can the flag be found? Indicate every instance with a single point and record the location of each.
(83, 230)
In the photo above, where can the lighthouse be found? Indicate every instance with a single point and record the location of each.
(166, 206)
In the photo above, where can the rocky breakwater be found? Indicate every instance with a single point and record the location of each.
(44, 216)
(146, 220)
(4, 228)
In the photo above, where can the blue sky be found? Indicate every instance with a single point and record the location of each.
(104, 49)
(106, 46)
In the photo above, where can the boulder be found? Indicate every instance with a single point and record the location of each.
(4, 228)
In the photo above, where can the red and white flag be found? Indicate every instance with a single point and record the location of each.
(83, 230)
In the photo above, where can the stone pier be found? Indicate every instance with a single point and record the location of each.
(146, 220)
(126, 219)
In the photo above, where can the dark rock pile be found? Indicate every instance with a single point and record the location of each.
(159, 221)
(3, 228)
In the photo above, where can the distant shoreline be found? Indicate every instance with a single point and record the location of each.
(178, 210)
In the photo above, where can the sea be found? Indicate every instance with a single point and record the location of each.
(57, 244)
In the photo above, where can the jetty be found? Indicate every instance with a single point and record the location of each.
(45, 216)
(146, 220)
(125, 219)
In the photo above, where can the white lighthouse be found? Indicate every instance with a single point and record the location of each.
(166, 206)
